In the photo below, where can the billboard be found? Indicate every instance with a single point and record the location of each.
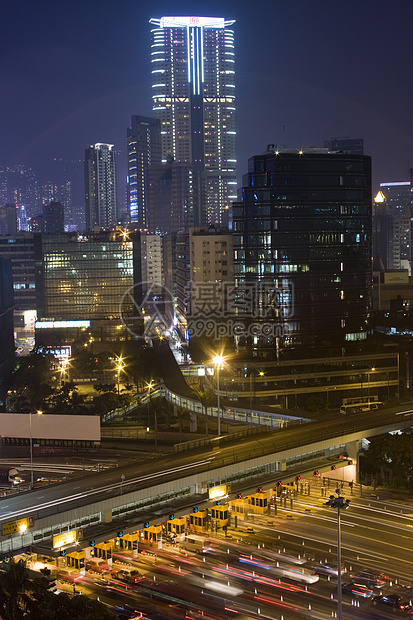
(50, 426)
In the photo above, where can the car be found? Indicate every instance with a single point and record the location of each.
(392, 601)
(129, 576)
(98, 567)
(66, 576)
(358, 589)
(327, 569)
(369, 579)
(250, 530)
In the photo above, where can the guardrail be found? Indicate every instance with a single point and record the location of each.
(252, 417)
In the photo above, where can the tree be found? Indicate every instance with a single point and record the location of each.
(316, 404)
(67, 399)
(181, 414)
(64, 607)
(18, 592)
(22, 596)
(31, 382)
(207, 399)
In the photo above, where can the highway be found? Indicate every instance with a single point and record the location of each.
(241, 578)
(98, 486)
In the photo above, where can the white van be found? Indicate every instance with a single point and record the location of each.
(198, 544)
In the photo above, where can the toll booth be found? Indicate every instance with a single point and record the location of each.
(152, 534)
(103, 551)
(176, 526)
(76, 559)
(219, 517)
(198, 521)
(127, 542)
(259, 503)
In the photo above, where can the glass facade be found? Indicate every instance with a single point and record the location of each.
(302, 249)
(87, 278)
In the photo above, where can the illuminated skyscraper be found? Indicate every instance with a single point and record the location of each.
(144, 149)
(100, 186)
(193, 94)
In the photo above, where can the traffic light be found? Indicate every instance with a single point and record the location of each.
(120, 534)
(195, 509)
(298, 478)
(146, 524)
(349, 462)
(171, 517)
(333, 467)
(239, 496)
(279, 483)
(92, 543)
(260, 490)
(316, 473)
(218, 503)
(63, 552)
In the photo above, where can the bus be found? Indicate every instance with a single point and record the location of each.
(359, 404)
(359, 407)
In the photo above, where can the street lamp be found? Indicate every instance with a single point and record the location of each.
(218, 360)
(149, 386)
(368, 383)
(31, 445)
(341, 504)
(119, 368)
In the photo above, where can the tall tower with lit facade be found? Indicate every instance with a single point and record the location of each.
(100, 186)
(144, 149)
(193, 95)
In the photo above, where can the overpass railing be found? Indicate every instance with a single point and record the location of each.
(252, 417)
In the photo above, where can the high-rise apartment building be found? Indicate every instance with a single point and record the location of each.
(302, 250)
(144, 149)
(204, 282)
(174, 197)
(193, 94)
(53, 217)
(392, 225)
(100, 186)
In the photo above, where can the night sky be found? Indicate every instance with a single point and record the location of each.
(72, 73)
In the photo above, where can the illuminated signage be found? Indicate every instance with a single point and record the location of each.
(58, 324)
(67, 538)
(59, 352)
(191, 21)
(216, 492)
(21, 525)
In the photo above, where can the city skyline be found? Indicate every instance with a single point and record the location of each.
(300, 79)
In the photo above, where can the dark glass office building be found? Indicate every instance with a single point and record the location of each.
(302, 250)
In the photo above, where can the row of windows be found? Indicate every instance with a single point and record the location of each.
(257, 210)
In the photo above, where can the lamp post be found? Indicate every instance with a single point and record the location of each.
(149, 386)
(368, 383)
(218, 360)
(31, 445)
(119, 368)
(341, 504)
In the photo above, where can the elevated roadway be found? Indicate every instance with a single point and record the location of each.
(125, 498)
